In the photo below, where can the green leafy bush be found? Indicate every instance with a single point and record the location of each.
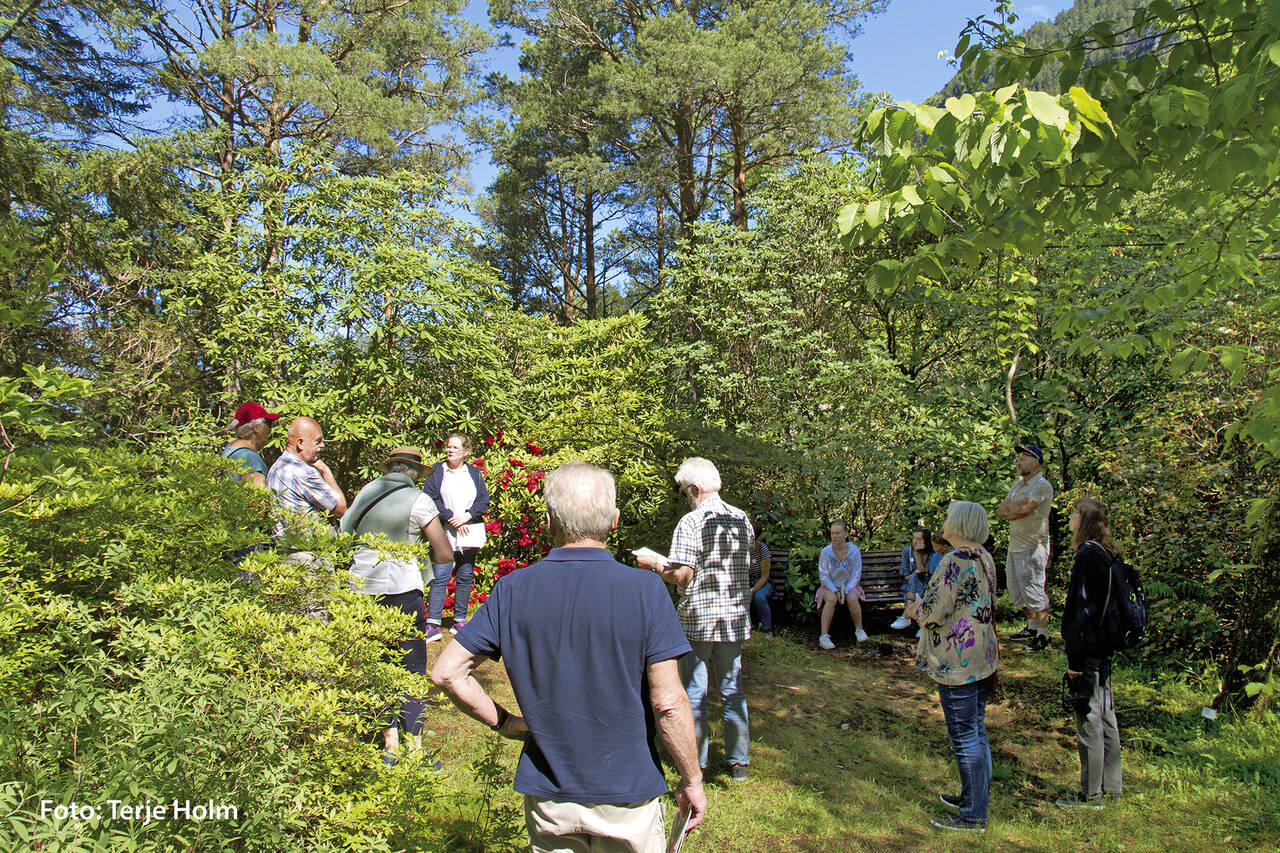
(136, 666)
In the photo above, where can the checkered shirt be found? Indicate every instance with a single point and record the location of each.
(715, 540)
(299, 489)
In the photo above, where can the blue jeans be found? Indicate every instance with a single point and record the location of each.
(965, 709)
(464, 562)
(760, 599)
(722, 662)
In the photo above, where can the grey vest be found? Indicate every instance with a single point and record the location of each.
(390, 515)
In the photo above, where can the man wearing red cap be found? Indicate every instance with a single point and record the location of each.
(252, 426)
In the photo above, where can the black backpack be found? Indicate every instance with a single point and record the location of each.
(1124, 611)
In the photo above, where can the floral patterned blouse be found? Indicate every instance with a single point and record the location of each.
(958, 614)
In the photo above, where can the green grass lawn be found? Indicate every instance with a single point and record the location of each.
(849, 752)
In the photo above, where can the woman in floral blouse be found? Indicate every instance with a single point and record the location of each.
(958, 649)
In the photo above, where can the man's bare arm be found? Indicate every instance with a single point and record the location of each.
(1011, 510)
(453, 673)
(677, 574)
(327, 475)
(674, 717)
(441, 550)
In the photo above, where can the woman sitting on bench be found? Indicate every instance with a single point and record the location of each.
(839, 570)
(919, 559)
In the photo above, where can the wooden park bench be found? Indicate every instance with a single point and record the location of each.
(880, 578)
(881, 581)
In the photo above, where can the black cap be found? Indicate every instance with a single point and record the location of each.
(1032, 450)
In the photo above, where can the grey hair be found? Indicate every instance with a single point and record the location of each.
(246, 429)
(696, 471)
(582, 501)
(395, 466)
(966, 520)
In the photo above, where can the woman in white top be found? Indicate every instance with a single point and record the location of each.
(460, 495)
(839, 570)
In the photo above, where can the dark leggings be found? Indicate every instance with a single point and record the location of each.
(415, 654)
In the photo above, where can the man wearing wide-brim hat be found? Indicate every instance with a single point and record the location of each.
(395, 507)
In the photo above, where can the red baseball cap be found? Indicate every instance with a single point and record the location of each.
(251, 412)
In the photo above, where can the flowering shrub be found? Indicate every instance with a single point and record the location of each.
(515, 531)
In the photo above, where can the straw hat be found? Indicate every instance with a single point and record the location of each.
(410, 455)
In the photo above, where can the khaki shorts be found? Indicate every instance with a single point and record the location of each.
(1025, 573)
(603, 828)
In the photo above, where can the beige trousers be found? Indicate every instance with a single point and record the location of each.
(584, 828)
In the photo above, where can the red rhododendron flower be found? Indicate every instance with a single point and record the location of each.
(488, 440)
(439, 442)
(533, 448)
(521, 564)
(449, 602)
(453, 585)
(546, 549)
(479, 463)
(524, 519)
(498, 435)
(506, 477)
(494, 527)
(507, 563)
(525, 540)
(515, 463)
(480, 597)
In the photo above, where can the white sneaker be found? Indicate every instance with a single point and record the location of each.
(900, 623)
(861, 635)
(825, 642)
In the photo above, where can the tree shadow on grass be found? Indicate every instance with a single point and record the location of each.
(849, 752)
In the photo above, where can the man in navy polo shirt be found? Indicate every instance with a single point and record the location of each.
(590, 647)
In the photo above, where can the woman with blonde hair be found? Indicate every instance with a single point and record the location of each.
(1088, 658)
(839, 576)
(959, 650)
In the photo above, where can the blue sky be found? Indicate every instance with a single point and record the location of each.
(896, 52)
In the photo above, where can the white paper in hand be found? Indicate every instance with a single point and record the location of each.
(648, 553)
(678, 830)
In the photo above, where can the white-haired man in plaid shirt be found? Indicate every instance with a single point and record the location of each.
(710, 563)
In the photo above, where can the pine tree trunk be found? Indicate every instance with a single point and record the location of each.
(684, 165)
(737, 135)
(589, 250)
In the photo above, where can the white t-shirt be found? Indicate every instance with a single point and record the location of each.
(374, 576)
(458, 491)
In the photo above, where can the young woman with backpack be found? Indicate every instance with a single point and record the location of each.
(1089, 655)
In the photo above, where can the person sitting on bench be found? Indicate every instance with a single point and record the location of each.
(840, 570)
(918, 562)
